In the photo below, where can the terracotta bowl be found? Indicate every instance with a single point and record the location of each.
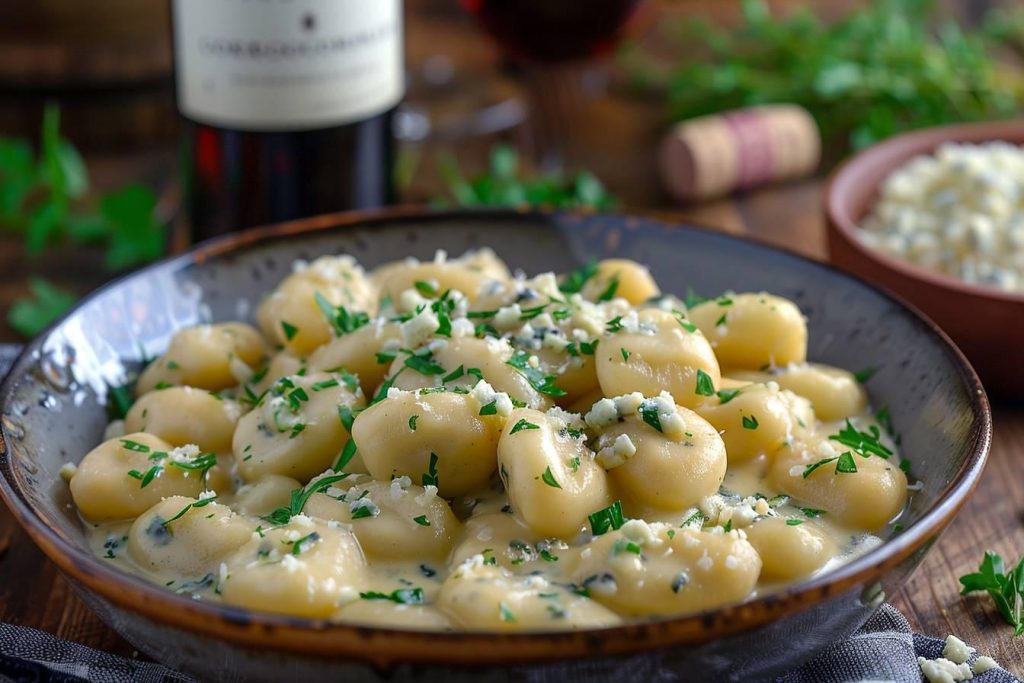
(987, 324)
(52, 412)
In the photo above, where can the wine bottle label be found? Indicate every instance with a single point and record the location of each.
(266, 65)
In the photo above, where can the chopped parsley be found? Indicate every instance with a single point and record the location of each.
(649, 413)
(750, 422)
(521, 425)
(812, 513)
(289, 330)
(793, 521)
(202, 502)
(303, 544)
(624, 545)
(609, 293)
(412, 422)
(605, 519)
(454, 374)
(146, 478)
(574, 281)
(130, 445)
(864, 375)
(537, 378)
(489, 409)
(425, 288)
(846, 464)
(326, 384)
(549, 478)
(614, 325)
(422, 361)
(726, 395)
(421, 520)
(430, 478)
(625, 354)
(400, 596)
(505, 613)
(299, 497)
(339, 317)
(864, 444)
(705, 386)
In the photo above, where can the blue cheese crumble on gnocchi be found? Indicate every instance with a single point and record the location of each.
(443, 445)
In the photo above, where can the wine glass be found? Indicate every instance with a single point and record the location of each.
(555, 43)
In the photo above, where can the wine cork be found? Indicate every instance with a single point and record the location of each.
(713, 155)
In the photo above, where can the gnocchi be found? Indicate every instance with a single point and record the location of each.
(443, 445)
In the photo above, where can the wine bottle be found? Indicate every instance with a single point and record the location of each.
(287, 107)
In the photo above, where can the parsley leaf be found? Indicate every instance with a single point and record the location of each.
(705, 386)
(605, 519)
(1005, 588)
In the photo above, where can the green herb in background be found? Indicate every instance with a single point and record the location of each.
(502, 185)
(881, 70)
(31, 316)
(45, 199)
(1005, 588)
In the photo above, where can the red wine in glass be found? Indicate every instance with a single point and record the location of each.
(554, 30)
(552, 41)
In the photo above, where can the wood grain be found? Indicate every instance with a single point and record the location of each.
(618, 139)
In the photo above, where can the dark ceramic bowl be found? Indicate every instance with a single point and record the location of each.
(53, 412)
(984, 322)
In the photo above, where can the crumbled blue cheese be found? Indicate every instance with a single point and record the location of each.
(508, 317)
(602, 414)
(983, 664)
(183, 454)
(956, 650)
(944, 671)
(419, 328)
(485, 394)
(428, 496)
(641, 533)
(463, 327)
(399, 486)
(564, 419)
(617, 454)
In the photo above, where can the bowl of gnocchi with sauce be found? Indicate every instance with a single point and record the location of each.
(937, 217)
(488, 446)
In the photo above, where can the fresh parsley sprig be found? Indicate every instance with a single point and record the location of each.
(1005, 587)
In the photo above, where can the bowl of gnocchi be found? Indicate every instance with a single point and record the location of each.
(488, 445)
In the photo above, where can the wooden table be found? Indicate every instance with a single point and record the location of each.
(33, 594)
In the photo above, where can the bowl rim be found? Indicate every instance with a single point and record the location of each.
(839, 213)
(386, 647)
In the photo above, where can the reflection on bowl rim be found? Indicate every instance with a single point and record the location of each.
(381, 646)
(918, 142)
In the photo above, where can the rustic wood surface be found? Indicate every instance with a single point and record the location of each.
(616, 140)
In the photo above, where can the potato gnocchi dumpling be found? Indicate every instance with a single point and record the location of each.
(211, 357)
(656, 351)
(298, 429)
(446, 445)
(751, 331)
(185, 415)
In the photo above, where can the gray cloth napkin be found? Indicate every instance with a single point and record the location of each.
(884, 649)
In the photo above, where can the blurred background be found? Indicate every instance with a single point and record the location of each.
(552, 103)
